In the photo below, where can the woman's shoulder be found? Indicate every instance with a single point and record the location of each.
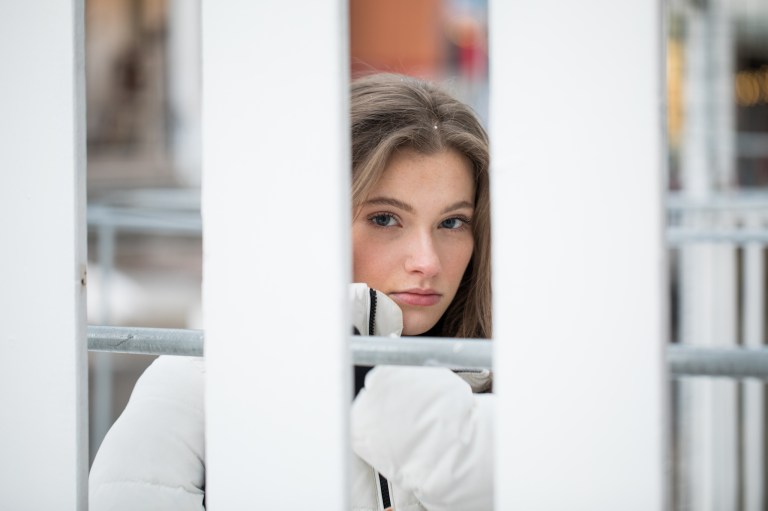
(155, 451)
(172, 377)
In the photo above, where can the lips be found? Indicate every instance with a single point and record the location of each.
(417, 297)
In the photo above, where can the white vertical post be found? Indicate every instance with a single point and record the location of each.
(708, 287)
(184, 88)
(579, 273)
(754, 408)
(103, 377)
(276, 217)
(43, 357)
(722, 44)
(708, 432)
(720, 146)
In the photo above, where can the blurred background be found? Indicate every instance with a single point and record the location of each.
(717, 209)
(144, 244)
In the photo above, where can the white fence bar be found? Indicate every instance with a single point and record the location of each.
(43, 364)
(276, 216)
(708, 434)
(576, 122)
(753, 421)
(102, 378)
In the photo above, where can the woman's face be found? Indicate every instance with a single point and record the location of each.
(412, 237)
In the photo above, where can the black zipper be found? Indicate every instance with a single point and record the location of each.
(372, 313)
(386, 500)
(384, 487)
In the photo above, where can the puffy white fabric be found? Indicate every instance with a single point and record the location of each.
(389, 317)
(425, 431)
(422, 428)
(153, 456)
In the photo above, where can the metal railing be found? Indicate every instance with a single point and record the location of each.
(683, 360)
(146, 341)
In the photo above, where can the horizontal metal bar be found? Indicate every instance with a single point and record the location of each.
(169, 199)
(738, 363)
(681, 236)
(145, 220)
(683, 360)
(146, 341)
(422, 351)
(753, 200)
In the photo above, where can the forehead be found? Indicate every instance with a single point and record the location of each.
(444, 176)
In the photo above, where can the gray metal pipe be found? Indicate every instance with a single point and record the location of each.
(422, 351)
(681, 236)
(683, 360)
(738, 363)
(146, 341)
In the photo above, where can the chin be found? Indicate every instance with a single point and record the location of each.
(416, 326)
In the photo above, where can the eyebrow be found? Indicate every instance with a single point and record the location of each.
(389, 201)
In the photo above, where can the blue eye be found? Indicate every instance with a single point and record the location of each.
(383, 220)
(453, 223)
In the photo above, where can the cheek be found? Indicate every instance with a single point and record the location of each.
(459, 260)
(359, 268)
(368, 260)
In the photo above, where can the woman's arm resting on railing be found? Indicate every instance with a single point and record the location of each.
(153, 457)
(425, 431)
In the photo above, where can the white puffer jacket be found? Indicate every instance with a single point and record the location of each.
(421, 428)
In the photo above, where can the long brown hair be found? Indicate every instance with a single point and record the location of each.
(391, 112)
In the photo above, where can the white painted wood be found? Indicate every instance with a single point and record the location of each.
(43, 364)
(276, 216)
(753, 422)
(579, 283)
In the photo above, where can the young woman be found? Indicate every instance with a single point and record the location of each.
(410, 138)
(420, 233)
(421, 239)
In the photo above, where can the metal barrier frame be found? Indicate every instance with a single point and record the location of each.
(683, 360)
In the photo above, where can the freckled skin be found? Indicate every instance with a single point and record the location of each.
(412, 236)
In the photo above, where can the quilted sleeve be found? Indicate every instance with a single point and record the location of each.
(424, 430)
(153, 456)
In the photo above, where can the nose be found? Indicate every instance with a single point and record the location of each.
(423, 256)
